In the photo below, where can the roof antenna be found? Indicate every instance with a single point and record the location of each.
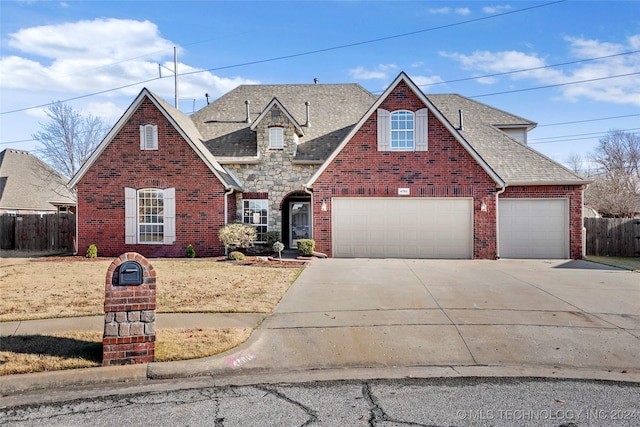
(461, 116)
(316, 80)
(206, 95)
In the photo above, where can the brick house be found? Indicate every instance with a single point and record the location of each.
(402, 174)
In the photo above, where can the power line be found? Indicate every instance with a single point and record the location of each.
(578, 134)
(588, 120)
(311, 52)
(554, 85)
(561, 139)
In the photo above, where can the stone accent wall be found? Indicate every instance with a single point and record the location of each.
(275, 173)
(130, 315)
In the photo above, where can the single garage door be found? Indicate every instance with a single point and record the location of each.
(533, 228)
(393, 227)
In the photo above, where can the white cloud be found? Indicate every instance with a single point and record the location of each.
(463, 11)
(91, 56)
(442, 10)
(380, 71)
(447, 10)
(423, 81)
(496, 9)
(618, 90)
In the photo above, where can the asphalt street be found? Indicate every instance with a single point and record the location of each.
(399, 402)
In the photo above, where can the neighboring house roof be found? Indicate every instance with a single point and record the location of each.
(27, 183)
(181, 122)
(334, 110)
(514, 162)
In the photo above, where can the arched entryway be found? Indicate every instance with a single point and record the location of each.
(296, 218)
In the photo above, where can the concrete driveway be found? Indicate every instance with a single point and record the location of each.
(519, 317)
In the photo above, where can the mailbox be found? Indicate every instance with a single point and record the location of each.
(129, 273)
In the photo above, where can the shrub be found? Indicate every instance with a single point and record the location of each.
(92, 251)
(271, 237)
(306, 247)
(237, 235)
(236, 256)
(191, 253)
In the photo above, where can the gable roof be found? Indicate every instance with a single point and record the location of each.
(514, 162)
(334, 109)
(181, 122)
(275, 102)
(402, 77)
(27, 183)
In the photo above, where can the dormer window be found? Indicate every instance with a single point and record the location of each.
(149, 137)
(402, 131)
(276, 139)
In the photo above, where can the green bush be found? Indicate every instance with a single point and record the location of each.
(306, 247)
(270, 237)
(237, 235)
(92, 251)
(191, 253)
(236, 256)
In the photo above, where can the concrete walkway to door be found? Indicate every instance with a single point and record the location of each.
(507, 317)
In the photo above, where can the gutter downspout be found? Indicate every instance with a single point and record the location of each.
(226, 212)
(502, 190)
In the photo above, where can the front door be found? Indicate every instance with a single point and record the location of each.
(299, 222)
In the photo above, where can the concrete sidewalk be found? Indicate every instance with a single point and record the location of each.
(360, 318)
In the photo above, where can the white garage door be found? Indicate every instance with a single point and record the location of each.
(533, 228)
(402, 227)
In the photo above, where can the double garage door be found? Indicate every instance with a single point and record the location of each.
(402, 227)
(443, 228)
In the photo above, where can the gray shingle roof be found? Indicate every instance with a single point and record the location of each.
(334, 109)
(27, 183)
(514, 162)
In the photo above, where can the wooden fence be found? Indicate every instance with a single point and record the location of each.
(37, 232)
(613, 236)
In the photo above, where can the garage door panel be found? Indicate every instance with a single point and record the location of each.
(402, 227)
(533, 228)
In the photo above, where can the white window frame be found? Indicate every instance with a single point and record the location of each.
(398, 126)
(259, 207)
(148, 137)
(134, 222)
(150, 215)
(276, 138)
(420, 130)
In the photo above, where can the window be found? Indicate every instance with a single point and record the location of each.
(276, 138)
(149, 137)
(256, 213)
(402, 131)
(150, 216)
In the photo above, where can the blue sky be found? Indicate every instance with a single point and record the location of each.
(79, 51)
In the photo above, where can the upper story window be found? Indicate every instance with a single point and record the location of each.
(402, 131)
(276, 138)
(149, 137)
(256, 213)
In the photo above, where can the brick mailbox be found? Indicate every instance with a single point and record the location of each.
(129, 311)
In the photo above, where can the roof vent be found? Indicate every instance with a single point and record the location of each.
(316, 80)
(307, 104)
(246, 104)
(461, 117)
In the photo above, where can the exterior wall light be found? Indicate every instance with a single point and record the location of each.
(323, 207)
(483, 206)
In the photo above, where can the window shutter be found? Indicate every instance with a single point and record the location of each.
(142, 138)
(154, 138)
(169, 197)
(422, 130)
(384, 134)
(130, 223)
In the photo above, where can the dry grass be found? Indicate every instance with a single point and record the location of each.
(69, 350)
(42, 289)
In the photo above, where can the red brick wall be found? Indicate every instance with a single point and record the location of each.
(199, 194)
(571, 192)
(446, 170)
